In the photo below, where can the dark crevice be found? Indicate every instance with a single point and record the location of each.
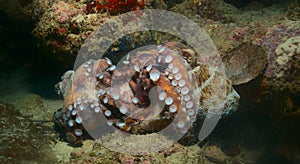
(19, 52)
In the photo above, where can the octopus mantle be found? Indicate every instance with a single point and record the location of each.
(143, 94)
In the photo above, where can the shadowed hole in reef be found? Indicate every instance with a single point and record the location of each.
(244, 3)
(259, 127)
(25, 66)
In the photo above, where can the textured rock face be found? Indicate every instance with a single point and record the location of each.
(288, 64)
(22, 139)
(124, 93)
(282, 46)
(287, 50)
(244, 62)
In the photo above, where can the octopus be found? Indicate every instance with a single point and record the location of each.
(147, 90)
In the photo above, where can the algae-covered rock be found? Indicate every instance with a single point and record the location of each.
(22, 140)
(244, 62)
(288, 64)
(215, 154)
(293, 12)
(94, 152)
(281, 43)
(216, 10)
(34, 106)
(62, 151)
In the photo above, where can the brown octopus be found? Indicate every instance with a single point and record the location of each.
(144, 93)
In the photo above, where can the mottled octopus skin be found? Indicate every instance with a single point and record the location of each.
(91, 92)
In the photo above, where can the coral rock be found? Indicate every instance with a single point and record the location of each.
(244, 62)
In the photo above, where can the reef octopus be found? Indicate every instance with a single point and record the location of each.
(146, 91)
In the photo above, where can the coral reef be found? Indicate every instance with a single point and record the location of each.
(281, 71)
(257, 30)
(127, 105)
(239, 34)
(216, 10)
(65, 26)
(288, 64)
(115, 6)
